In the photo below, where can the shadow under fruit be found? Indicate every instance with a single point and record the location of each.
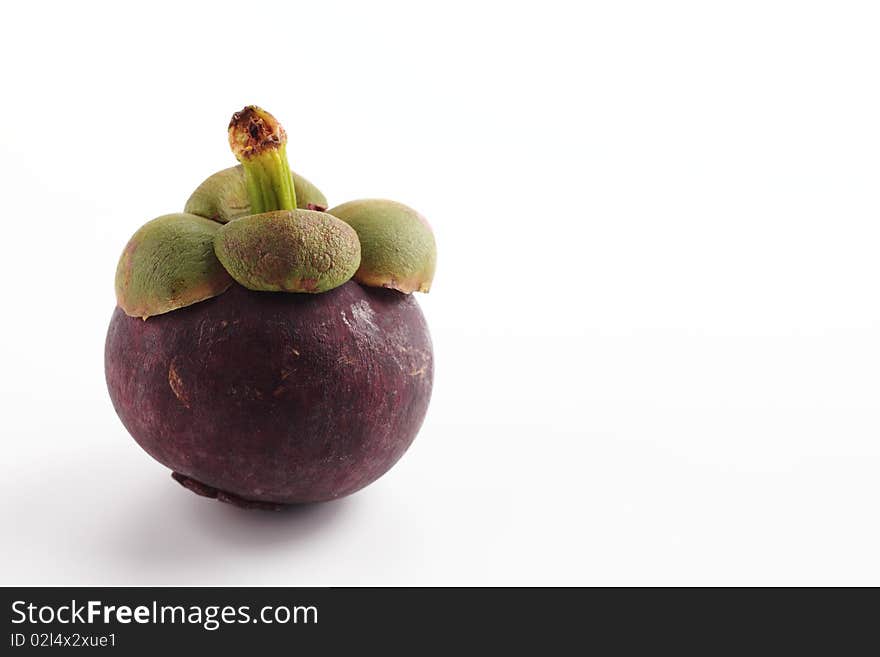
(277, 360)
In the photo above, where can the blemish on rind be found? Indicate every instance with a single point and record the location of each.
(362, 315)
(176, 384)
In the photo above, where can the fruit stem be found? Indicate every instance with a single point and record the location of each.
(260, 144)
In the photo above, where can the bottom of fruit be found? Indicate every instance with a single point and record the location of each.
(204, 490)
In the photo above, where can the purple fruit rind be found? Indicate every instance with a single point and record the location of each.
(275, 398)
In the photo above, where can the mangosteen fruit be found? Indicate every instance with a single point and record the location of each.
(268, 352)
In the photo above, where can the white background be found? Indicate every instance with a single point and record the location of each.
(655, 316)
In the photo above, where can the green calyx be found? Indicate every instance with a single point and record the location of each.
(289, 251)
(398, 250)
(224, 196)
(264, 227)
(169, 263)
